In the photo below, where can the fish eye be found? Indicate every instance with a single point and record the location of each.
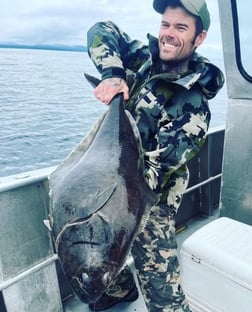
(106, 278)
(84, 277)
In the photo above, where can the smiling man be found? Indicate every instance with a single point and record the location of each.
(166, 87)
(178, 37)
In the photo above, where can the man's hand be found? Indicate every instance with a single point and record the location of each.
(108, 88)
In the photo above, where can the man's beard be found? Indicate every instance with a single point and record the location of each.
(178, 66)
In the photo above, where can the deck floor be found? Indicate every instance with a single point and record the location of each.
(75, 305)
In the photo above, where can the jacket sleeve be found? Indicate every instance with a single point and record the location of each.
(177, 139)
(113, 51)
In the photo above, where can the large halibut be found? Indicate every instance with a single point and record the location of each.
(98, 198)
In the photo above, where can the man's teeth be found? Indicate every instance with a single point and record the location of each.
(168, 45)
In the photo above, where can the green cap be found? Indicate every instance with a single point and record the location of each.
(195, 7)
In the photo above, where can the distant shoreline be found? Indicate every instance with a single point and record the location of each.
(45, 47)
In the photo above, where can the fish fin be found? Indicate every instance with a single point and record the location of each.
(136, 134)
(47, 224)
(74, 156)
(92, 80)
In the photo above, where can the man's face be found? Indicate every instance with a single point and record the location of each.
(177, 40)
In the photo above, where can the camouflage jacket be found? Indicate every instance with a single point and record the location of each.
(171, 111)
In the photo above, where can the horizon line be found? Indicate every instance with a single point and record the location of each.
(55, 47)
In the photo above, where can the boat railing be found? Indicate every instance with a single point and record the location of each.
(27, 254)
(202, 196)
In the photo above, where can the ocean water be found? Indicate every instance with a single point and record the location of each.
(47, 107)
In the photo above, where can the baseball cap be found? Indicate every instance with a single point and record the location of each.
(195, 7)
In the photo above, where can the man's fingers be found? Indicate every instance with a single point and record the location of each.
(126, 95)
(108, 89)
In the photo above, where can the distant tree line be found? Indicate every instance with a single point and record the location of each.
(44, 47)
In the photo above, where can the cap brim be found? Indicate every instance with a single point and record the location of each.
(160, 5)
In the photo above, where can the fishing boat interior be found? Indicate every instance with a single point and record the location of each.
(214, 224)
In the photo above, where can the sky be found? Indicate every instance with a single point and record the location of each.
(66, 21)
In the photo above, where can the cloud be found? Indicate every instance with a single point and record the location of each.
(45, 24)
(66, 22)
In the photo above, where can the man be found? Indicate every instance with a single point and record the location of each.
(166, 87)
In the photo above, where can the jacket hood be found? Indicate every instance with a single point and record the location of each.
(208, 77)
(211, 78)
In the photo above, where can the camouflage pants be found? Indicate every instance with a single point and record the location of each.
(155, 255)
